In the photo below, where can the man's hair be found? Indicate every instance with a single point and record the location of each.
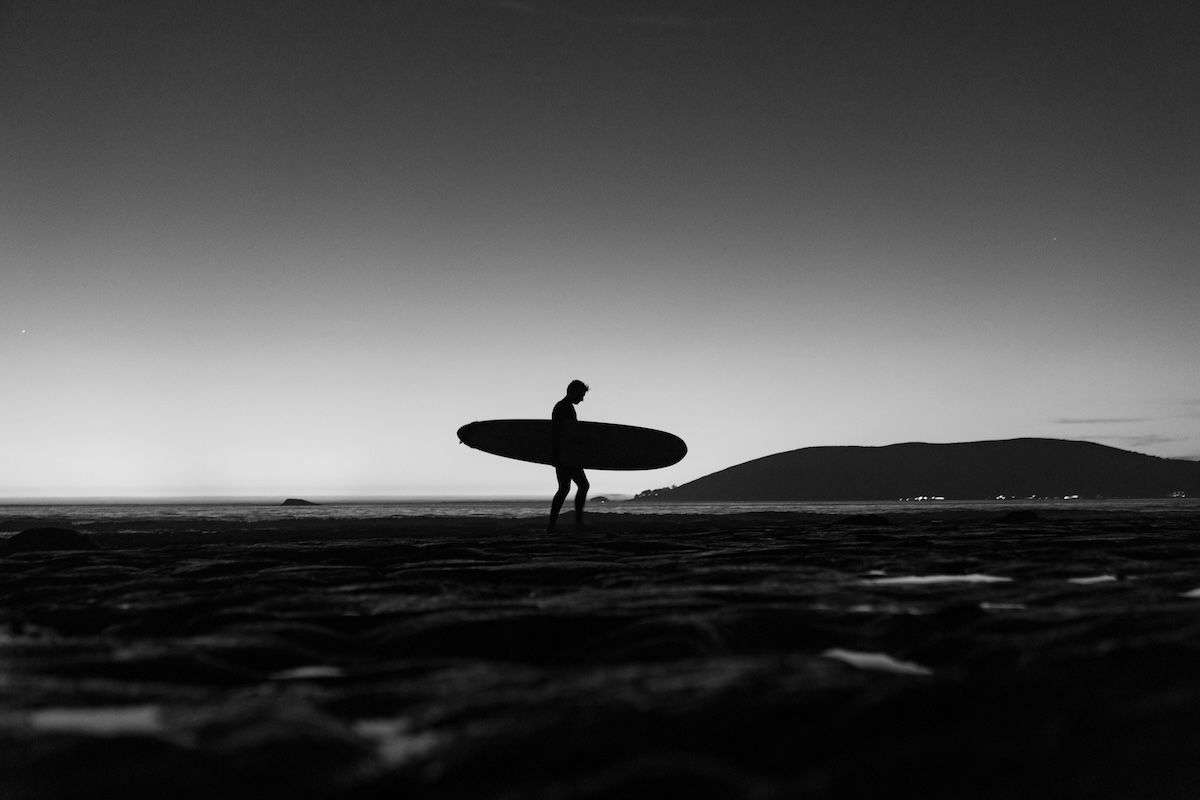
(576, 386)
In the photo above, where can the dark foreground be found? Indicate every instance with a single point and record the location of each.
(755, 656)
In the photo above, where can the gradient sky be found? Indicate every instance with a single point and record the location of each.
(290, 247)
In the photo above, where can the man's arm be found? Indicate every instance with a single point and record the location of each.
(556, 436)
(560, 423)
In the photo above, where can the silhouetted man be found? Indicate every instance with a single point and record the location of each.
(562, 422)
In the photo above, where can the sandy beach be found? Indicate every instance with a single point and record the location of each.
(747, 655)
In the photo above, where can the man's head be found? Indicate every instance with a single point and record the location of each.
(576, 390)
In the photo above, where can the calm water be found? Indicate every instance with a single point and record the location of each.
(18, 516)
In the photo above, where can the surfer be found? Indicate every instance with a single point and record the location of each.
(562, 419)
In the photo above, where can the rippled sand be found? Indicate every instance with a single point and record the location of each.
(755, 655)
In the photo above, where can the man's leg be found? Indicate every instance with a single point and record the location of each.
(564, 486)
(581, 491)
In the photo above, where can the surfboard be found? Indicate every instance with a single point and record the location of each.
(591, 445)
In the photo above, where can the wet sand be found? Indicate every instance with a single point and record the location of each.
(752, 655)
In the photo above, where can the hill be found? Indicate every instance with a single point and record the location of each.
(959, 471)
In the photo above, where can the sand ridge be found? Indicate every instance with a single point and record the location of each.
(750, 655)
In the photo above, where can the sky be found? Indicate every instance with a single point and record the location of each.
(265, 247)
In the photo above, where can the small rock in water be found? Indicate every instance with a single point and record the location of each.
(38, 539)
(295, 501)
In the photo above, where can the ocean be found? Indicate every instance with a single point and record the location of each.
(15, 517)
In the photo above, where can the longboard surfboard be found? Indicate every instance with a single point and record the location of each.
(590, 445)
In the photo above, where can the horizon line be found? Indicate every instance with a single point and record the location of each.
(277, 499)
